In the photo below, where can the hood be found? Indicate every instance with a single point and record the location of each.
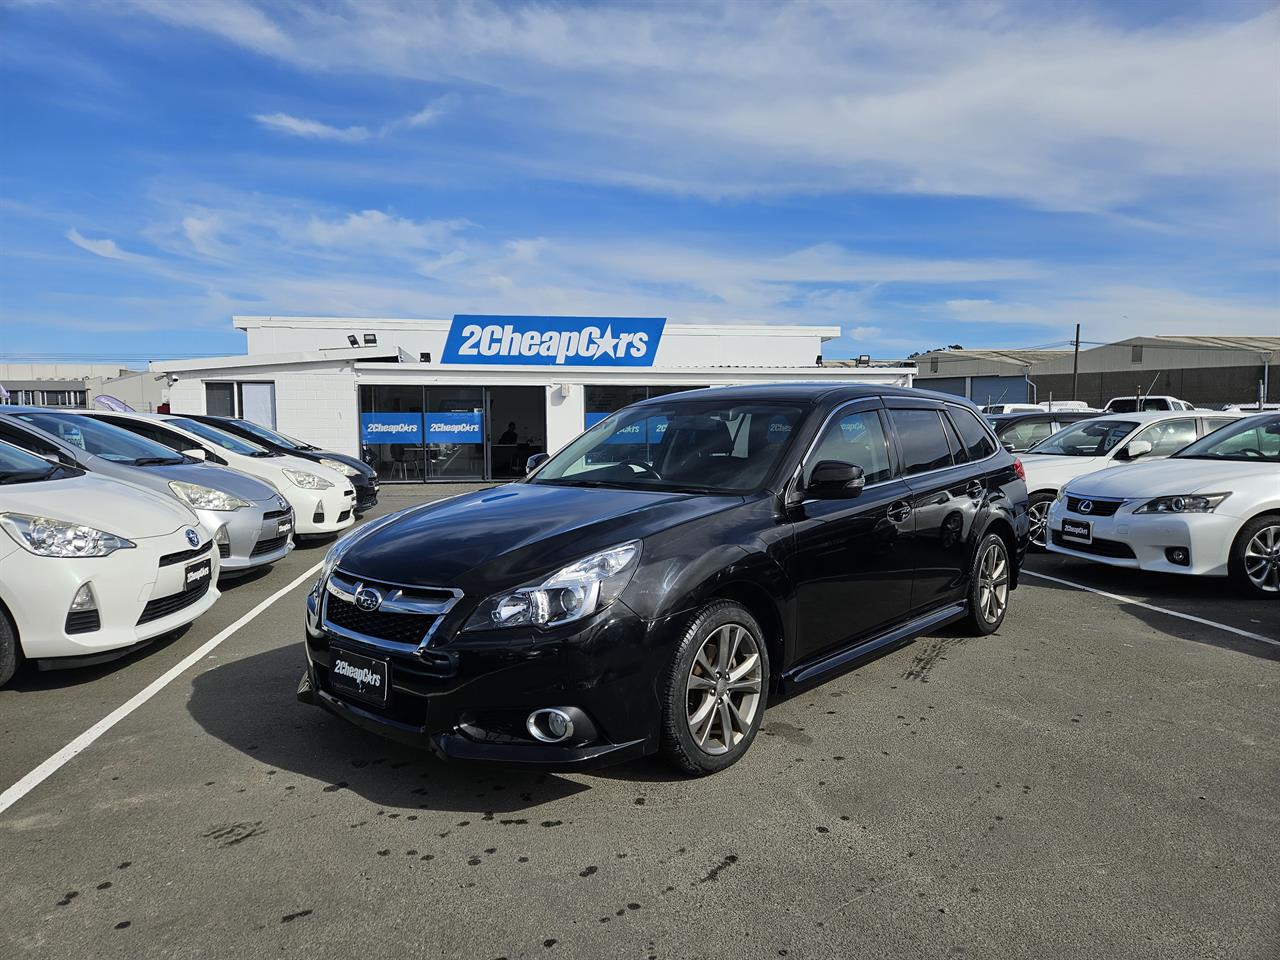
(290, 462)
(124, 509)
(515, 533)
(1050, 472)
(1162, 478)
(366, 471)
(211, 475)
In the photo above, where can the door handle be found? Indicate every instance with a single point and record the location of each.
(976, 488)
(899, 511)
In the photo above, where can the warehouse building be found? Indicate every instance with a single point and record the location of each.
(79, 385)
(1205, 371)
(473, 397)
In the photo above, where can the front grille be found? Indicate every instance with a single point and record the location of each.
(224, 550)
(268, 546)
(275, 515)
(1100, 508)
(83, 621)
(1101, 548)
(163, 606)
(169, 559)
(408, 628)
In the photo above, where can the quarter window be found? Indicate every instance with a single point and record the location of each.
(924, 445)
(977, 441)
(856, 438)
(1168, 436)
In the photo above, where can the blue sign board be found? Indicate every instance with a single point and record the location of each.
(390, 428)
(455, 428)
(554, 341)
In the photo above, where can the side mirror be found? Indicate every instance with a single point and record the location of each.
(1009, 446)
(534, 462)
(835, 480)
(196, 453)
(1136, 449)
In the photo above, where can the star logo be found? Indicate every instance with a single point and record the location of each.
(605, 345)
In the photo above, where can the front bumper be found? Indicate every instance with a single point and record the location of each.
(322, 511)
(1142, 541)
(254, 537)
(366, 493)
(469, 700)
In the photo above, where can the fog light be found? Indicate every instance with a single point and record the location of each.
(1179, 556)
(84, 599)
(82, 615)
(550, 725)
(223, 540)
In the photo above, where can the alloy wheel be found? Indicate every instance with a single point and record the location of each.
(993, 582)
(1038, 513)
(1262, 559)
(723, 689)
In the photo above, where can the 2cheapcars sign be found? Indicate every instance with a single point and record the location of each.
(554, 341)
(407, 428)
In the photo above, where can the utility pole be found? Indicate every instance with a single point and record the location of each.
(1075, 365)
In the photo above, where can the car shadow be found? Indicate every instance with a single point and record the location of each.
(30, 678)
(290, 736)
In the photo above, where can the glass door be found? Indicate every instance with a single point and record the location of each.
(455, 433)
(391, 431)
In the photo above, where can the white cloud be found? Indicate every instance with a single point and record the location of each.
(860, 334)
(310, 129)
(375, 231)
(102, 248)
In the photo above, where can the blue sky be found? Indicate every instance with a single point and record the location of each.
(920, 174)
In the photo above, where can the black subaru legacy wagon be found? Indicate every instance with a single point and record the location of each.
(650, 587)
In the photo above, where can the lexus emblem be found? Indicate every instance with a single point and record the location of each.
(193, 538)
(1086, 506)
(367, 598)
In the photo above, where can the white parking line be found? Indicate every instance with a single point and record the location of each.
(1151, 606)
(64, 756)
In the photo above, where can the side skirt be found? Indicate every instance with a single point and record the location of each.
(803, 674)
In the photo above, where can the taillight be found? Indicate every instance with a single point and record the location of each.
(1017, 468)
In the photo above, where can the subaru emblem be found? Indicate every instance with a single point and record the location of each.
(1086, 506)
(193, 538)
(367, 598)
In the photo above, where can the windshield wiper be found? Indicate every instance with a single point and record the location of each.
(158, 461)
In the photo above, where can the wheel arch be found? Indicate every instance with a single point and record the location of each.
(759, 602)
(1000, 526)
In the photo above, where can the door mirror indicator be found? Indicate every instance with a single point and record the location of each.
(1136, 449)
(534, 462)
(835, 480)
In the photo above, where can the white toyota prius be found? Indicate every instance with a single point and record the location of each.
(1213, 509)
(92, 567)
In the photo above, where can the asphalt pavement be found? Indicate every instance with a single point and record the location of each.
(1097, 780)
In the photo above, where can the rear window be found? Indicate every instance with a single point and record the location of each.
(924, 444)
(977, 441)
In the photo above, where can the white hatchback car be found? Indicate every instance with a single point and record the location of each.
(1212, 509)
(91, 567)
(1087, 446)
(323, 500)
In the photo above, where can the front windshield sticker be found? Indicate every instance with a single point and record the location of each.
(554, 341)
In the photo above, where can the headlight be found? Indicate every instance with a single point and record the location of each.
(346, 469)
(1184, 503)
(307, 481)
(46, 537)
(1062, 492)
(205, 498)
(577, 591)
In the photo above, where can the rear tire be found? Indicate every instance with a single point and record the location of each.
(1255, 558)
(10, 653)
(1038, 505)
(989, 582)
(715, 691)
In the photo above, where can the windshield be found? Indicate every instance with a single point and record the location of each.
(272, 436)
(221, 438)
(1255, 440)
(1130, 405)
(19, 466)
(102, 439)
(1090, 438)
(691, 446)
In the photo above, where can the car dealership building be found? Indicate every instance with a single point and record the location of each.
(473, 397)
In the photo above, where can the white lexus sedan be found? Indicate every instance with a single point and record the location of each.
(91, 567)
(1105, 441)
(1213, 509)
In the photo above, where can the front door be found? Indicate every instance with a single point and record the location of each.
(850, 559)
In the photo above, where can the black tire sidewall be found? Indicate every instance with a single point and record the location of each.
(10, 655)
(678, 744)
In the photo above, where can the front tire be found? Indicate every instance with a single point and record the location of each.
(10, 654)
(989, 581)
(715, 691)
(1255, 558)
(1038, 505)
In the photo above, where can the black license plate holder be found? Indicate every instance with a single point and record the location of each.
(1081, 531)
(360, 677)
(196, 575)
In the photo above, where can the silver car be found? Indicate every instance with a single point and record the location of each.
(253, 524)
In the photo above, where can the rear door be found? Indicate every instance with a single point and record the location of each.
(851, 559)
(946, 498)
